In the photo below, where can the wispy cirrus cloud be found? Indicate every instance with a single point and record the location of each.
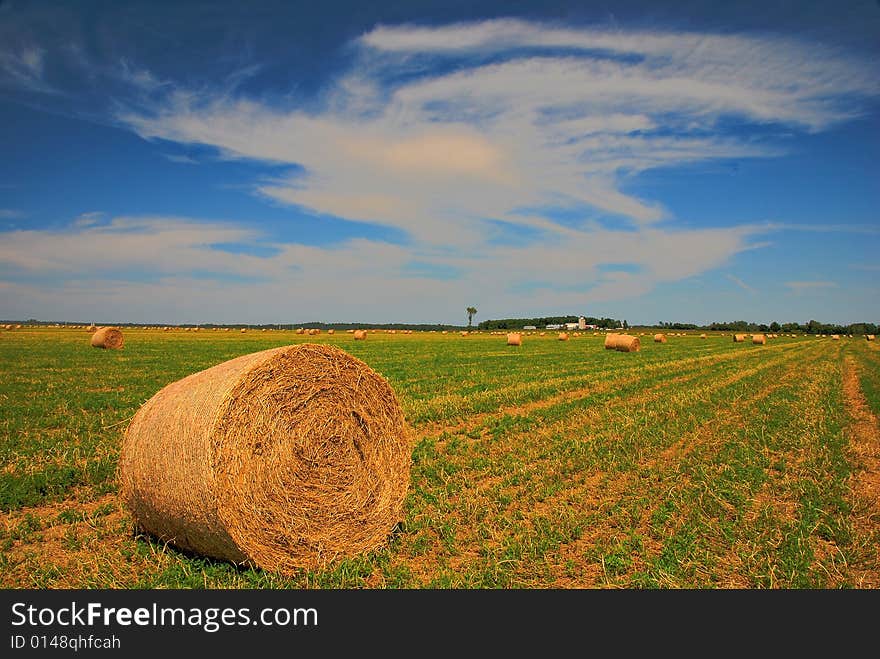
(739, 282)
(799, 287)
(556, 117)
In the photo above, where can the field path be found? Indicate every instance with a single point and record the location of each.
(864, 434)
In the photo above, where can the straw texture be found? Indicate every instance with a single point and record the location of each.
(286, 458)
(109, 338)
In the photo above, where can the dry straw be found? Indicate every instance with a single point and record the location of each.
(623, 342)
(360, 335)
(107, 337)
(627, 343)
(514, 339)
(282, 459)
(759, 339)
(659, 338)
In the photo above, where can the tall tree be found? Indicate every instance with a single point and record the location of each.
(471, 312)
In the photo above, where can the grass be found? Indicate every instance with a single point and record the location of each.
(690, 464)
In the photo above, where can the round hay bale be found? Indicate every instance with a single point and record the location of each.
(611, 341)
(702, 336)
(869, 337)
(659, 338)
(300, 330)
(627, 343)
(563, 336)
(92, 329)
(243, 330)
(739, 338)
(282, 459)
(514, 339)
(330, 331)
(835, 337)
(109, 338)
(463, 333)
(759, 339)
(360, 335)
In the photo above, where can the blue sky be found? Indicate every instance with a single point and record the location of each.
(282, 162)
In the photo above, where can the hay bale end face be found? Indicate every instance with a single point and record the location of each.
(759, 339)
(108, 338)
(283, 459)
(514, 339)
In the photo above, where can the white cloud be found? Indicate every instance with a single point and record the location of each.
(739, 282)
(10, 214)
(358, 279)
(24, 68)
(799, 287)
(441, 152)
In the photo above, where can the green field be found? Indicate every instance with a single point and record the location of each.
(699, 463)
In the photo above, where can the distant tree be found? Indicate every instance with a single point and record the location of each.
(471, 312)
(625, 324)
(775, 327)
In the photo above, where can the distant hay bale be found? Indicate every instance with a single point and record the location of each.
(360, 335)
(541, 333)
(330, 331)
(243, 330)
(869, 337)
(92, 329)
(610, 341)
(759, 339)
(108, 338)
(627, 343)
(514, 339)
(312, 332)
(463, 333)
(300, 330)
(445, 332)
(739, 338)
(283, 459)
(563, 336)
(659, 338)
(702, 336)
(835, 337)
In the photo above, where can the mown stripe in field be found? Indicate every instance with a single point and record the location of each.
(863, 432)
(498, 512)
(765, 510)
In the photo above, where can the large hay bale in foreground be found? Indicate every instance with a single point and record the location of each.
(759, 339)
(659, 338)
(109, 338)
(514, 339)
(283, 459)
(739, 338)
(610, 340)
(360, 335)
